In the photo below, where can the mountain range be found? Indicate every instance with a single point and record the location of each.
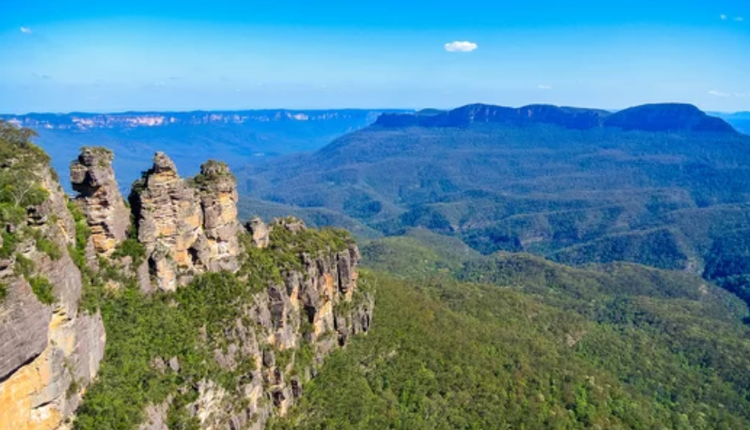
(167, 313)
(664, 185)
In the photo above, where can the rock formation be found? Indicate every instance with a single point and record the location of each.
(300, 312)
(259, 230)
(49, 352)
(99, 199)
(187, 229)
(218, 195)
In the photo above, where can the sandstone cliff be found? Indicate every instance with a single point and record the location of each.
(49, 350)
(228, 323)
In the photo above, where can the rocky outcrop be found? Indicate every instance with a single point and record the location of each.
(99, 199)
(187, 228)
(49, 350)
(290, 317)
(169, 220)
(286, 332)
(259, 231)
(218, 196)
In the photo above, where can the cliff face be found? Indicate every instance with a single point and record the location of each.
(295, 300)
(49, 350)
(286, 331)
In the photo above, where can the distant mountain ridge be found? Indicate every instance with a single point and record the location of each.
(83, 121)
(650, 117)
(664, 185)
(240, 137)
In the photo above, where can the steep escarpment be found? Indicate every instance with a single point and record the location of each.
(49, 349)
(206, 324)
(651, 117)
(229, 349)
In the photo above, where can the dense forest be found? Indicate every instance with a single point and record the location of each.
(514, 341)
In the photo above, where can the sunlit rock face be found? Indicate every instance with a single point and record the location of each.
(187, 227)
(99, 199)
(49, 353)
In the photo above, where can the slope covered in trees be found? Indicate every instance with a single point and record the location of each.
(654, 184)
(514, 341)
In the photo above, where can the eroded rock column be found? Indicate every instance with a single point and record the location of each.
(99, 199)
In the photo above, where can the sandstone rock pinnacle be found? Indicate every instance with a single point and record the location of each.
(99, 198)
(187, 227)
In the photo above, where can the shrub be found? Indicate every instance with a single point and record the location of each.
(42, 289)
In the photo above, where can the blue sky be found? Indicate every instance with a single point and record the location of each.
(65, 55)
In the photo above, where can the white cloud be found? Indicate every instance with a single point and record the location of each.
(544, 87)
(723, 17)
(459, 46)
(719, 93)
(25, 30)
(739, 19)
(723, 94)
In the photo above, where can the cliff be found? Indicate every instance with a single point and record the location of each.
(49, 349)
(206, 323)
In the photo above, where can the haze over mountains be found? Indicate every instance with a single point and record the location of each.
(236, 136)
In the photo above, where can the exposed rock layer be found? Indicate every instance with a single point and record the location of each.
(48, 353)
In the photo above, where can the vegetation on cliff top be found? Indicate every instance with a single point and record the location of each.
(145, 331)
(20, 164)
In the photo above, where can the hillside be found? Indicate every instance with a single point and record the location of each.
(236, 136)
(655, 184)
(514, 341)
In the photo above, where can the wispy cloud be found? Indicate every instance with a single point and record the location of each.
(459, 46)
(739, 18)
(719, 93)
(544, 87)
(723, 17)
(41, 76)
(725, 94)
(26, 30)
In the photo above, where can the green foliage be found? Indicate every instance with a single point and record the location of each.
(514, 341)
(575, 196)
(289, 246)
(83, 231)
(3, 291)
(142, 328)
(211, 171)
(42, 289)
(24, 266)
(20, 164)
(132, 248)
(48, 247)
(10, 241)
